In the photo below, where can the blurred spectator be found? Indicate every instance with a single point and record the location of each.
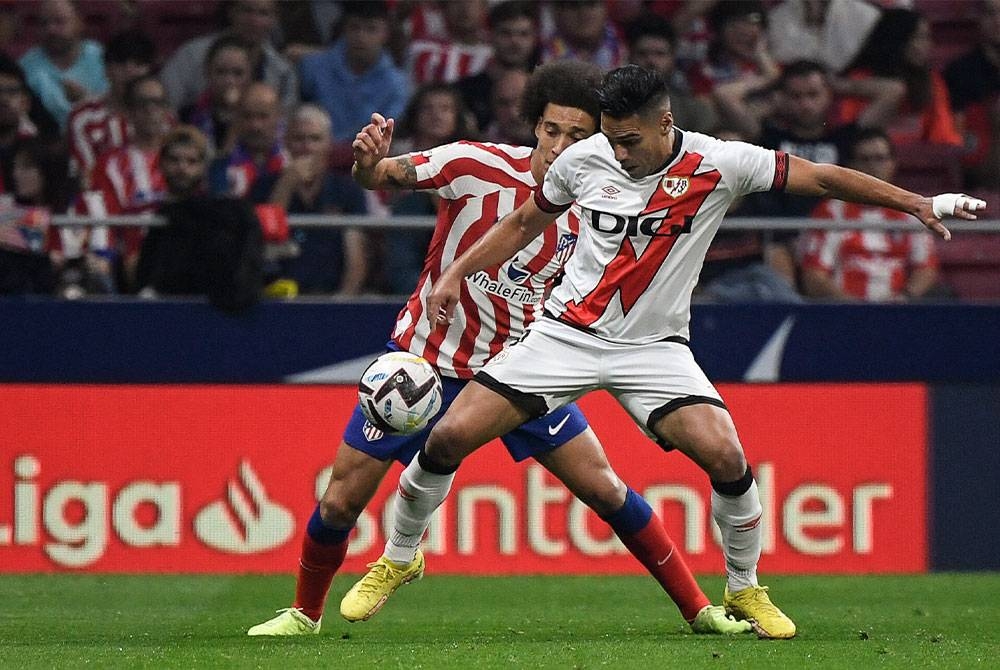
(15, 102)
(307, 27)
(40, 188)
(514, 36)
(330, 260)
(228, 71)
(99, 124)
(128, 180)
(356, 76)
(258, 149)
(252, 22)
(462, 51)
(651, 44)
(974, 86)
(508, 125)
(899, 47)
(210, 246)
(583, 32)
(868, 264)
(435, 115)
(830, 32)
(747, 265)
(64, 68)
(740, 71)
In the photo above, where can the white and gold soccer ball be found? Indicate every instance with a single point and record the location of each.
(400, 392)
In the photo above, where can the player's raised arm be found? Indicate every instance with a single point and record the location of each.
(372, 169)
(505, 239)
(831, 181)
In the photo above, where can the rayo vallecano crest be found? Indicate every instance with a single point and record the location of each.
(675, 187)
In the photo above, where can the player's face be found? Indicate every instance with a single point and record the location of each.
(641, 144)
(558, 128)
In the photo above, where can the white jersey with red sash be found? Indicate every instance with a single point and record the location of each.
(642, 241)
(478, 184)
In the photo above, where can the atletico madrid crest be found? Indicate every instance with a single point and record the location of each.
(675, 187)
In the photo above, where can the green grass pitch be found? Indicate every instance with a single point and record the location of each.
(75, 621)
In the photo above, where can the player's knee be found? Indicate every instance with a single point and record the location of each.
(339, 512)
(446, 444)
(726, 463)
(605, 496)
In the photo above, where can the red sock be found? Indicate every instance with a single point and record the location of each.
(656, 551)
(317, 566)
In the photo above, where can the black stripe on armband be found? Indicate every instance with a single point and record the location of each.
(737, 488)
(550, 208)
(780, 171)
(532, 404)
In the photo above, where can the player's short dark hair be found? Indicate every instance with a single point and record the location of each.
(867, 135)
(130, 45)
(512, 9)
(568, 83)
(632, 90)
(801, 68)
(650, 25)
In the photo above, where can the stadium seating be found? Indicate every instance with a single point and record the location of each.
(970, 262)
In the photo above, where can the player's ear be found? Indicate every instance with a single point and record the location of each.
(666, 121)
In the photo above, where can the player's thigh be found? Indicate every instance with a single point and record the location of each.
(550, 367)
(705, 433)
(354, 480)
(583, 467)
(475, 417)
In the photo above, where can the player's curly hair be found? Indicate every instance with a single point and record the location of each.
(632, 90)
(567, 83)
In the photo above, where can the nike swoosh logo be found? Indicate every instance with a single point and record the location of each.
(666, 558)
(556, 428)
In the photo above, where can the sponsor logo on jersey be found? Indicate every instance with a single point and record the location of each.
(519, 294)
(675, 187)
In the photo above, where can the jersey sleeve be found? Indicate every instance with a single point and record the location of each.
(557, 193)
(754, 169)
(438, 168)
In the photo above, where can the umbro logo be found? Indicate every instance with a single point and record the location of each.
(610, 192)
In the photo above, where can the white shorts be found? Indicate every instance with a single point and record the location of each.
(554, 364)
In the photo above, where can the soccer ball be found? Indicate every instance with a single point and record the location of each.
(400, 392)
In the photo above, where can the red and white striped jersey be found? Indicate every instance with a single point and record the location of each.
(124, 181)
(867, 264)
(442, 61)
(478, 184)
(642, 241)
(93, 129)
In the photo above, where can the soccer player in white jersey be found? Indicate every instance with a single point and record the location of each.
(651, 198)
(478, 183)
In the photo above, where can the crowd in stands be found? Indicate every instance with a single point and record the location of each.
(117, 107)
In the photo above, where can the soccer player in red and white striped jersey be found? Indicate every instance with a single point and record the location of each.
(479, 184)
(651, 197)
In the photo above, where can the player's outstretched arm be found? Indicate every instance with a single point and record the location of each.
(832, 181)
(505, 239)
(372, 169)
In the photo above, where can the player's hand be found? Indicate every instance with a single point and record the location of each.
(372, 144)
(948, 205)
(441, 301)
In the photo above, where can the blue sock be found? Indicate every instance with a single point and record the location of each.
(323, 534)
(632, 517)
